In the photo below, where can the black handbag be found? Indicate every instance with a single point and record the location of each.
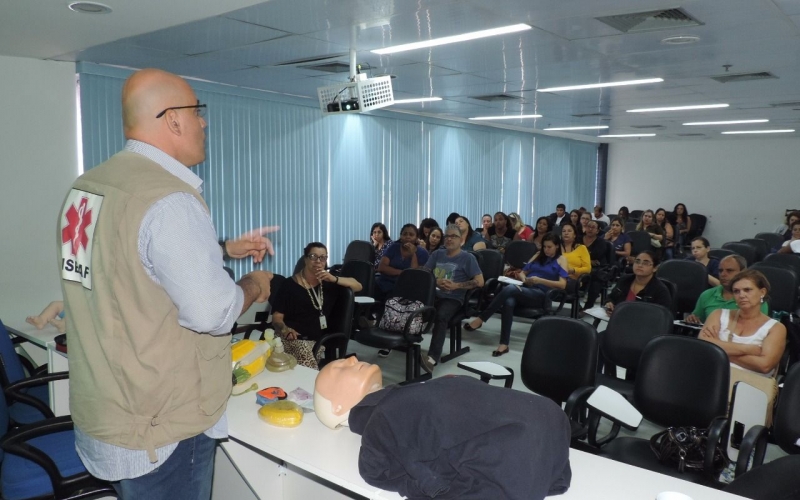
(686, 447)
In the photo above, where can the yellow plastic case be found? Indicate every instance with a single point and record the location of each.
(281, 414)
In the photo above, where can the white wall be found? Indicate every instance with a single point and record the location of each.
(38, 163)
(743, 186)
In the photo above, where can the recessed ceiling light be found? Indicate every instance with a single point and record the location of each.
(680, 40)
(777, 131)
(453, 39)
(420, 99)
(729, 122)
(601, 85)
(627, 135)
(678, 108)
(593, 127)
(89, 8)
(505, 117)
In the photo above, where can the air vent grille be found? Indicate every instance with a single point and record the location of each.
(743, 77)
(650, 21)
(331, 67)
(327, 58)
(497, 97)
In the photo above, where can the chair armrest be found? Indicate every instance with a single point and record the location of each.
(14, 392)
(613, 406)
(594, 424)
(716, 431)
(15, 442)
(577, 401)
(428, 315)
(755, 439)
(327, 338)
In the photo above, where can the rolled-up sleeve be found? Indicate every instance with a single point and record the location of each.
(179, 250)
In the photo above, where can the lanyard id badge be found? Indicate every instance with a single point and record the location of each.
(323, 323)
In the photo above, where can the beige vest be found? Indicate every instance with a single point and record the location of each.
(137, 378)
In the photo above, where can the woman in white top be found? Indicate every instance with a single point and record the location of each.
(752, 340)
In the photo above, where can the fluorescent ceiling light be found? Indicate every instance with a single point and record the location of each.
(452, 39)
(627, 135)
(593, 127)
(505, 117)
(602, 85)
(729, 122)
(419, 99)
(678, 108)
(778, 131)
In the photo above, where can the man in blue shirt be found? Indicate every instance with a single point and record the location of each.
(456, 272)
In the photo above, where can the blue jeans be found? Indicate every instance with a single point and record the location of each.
(185, 475)
(507, 299)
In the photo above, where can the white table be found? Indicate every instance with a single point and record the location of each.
(31, 334)
(332, 457)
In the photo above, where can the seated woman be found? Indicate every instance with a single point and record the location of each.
(669, 234)
(585, 218)
(470, 240)
(624, 214)
(501, 233)
(787, 245)
(786, 229)
(302, 305)
(486, 223)
(648, 223)
(434, 241)
(380, 240)
(753, 341)
(616, 235)
(681, 223)
(700, 248)
(641, 285)
(425, 228)
(546, 270)
(523, 231)
(543, 227)
(402, 254)
(575, 219)
(578, 260)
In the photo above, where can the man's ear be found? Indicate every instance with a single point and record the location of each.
(173, 122)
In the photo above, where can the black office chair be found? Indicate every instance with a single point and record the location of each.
(698, 226)
(39, 460)
(681, 382)
(340, 328)
(630, 328)
(691, 279)
(361, 271)
(468, 310)
(774, 240)
(745, 250)
(635, 215)
(412, 284)
(630, 225)
(518, 253)
(559, 361)
(776, 480)
(673, 293)
(263, 319)
(720, 253)
(760, 246)
(356, 250)
(491, 264)
(640, 241)
(788, 260)
(784, 283)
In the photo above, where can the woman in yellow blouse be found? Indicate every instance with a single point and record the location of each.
(578, 261)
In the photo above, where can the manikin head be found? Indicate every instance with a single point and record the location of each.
(341, 385)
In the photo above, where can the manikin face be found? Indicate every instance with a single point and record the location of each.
(643, 265)
(728, 268)
(434, 238)
(747, 294)
(699, 251)
(345, 382)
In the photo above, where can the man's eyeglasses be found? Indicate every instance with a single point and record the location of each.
(451, 236)
(200, 110)
(317, 258)
(645, 263)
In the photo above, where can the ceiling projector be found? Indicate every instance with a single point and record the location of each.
(358, 96)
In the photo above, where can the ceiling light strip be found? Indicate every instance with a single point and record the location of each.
(678, 108)
(776, 131)
(419, 99)
(602, 85)
(593, 127)
(728, 122)
(505, 117)
(627, 135)
(452, 39)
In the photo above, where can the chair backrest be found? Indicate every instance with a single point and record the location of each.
(690, 277)
(786, 423)
(774, 240)
(519, 252)
(682, 381)
(478, 257)
(274, 285)
(760, 246)
(611, 254)
(299, 265)
(630, 328)
(361, 271)
(631, 225)
(341, 321)
(560, 355)
(230, 272)
(673, 293)
(698, 226)
(636, 214)
(640, 241)
(415, 284)
(783, 282)
(720, 253)
(745, 250)
(491, 263)
(789, 260)
(10, 366)
(359, 250)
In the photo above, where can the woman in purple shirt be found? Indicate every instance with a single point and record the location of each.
(546, 270)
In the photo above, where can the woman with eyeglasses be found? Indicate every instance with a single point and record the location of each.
(641, 285)
(401, 255)
(302, 306)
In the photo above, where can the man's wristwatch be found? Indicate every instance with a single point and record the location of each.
(225, 255)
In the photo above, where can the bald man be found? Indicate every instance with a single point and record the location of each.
(149, 305)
